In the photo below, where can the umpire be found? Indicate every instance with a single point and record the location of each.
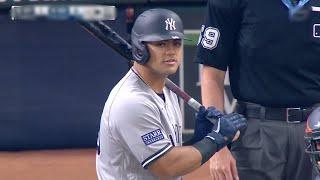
(272, 51)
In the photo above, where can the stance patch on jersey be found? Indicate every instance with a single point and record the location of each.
(210, 37)
(316, 30)
(152, 137)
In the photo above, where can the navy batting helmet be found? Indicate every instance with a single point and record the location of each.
(154, 25)
(312, 138)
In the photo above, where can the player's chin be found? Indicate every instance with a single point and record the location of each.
(171, 70)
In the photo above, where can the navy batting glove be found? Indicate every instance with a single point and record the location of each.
(203, 126)
(226, 128)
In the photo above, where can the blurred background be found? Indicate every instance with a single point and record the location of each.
(55, 78)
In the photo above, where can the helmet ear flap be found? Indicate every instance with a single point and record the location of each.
(145, 53)
(140, 53)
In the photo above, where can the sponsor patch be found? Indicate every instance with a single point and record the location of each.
(152, 137)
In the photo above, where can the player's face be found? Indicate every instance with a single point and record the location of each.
(165, 56)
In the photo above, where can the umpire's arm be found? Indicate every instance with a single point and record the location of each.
(212, 87)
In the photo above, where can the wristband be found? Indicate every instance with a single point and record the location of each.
(207, 149)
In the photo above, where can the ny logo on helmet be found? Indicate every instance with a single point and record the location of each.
(170, 24)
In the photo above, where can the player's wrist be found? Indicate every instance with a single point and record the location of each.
(207, 149)
(218, 139)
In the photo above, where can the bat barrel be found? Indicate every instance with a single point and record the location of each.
(104, 33)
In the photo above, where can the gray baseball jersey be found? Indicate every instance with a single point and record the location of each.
(137, 127)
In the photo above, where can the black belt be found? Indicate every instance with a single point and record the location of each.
(290, 115)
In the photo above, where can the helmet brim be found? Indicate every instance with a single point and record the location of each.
(156, 37)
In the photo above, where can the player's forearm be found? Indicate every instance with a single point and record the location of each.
(212, 87)
(177, 162)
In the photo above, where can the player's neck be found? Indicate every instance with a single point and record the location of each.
(154, 81)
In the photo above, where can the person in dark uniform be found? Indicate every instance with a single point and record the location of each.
(272, 51)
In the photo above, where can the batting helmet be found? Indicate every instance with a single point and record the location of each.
(312, 138)
(154, 25)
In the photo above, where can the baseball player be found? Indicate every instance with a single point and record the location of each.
(140, 132)
(312, 139)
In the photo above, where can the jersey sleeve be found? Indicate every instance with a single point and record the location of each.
(218, 33)
(140, 129)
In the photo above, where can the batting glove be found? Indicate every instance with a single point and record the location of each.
(226, 128)
(202, 124)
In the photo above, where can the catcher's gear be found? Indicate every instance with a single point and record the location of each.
(312, 138)
(154, 25)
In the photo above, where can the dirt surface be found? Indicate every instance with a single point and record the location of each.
(78, 164)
